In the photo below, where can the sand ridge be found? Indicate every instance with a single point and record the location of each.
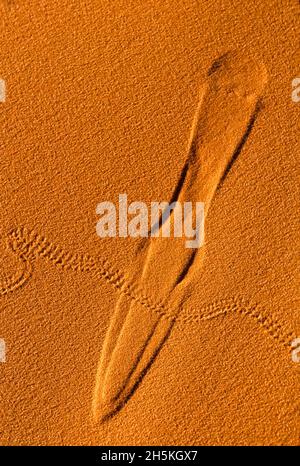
(228, 106)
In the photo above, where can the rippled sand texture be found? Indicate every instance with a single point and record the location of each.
(141, 341)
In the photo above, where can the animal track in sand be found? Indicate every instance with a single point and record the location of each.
(29, 246)
(229, 104)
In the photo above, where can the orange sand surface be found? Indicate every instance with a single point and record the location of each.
(141, 341)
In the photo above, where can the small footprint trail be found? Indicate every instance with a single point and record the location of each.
(229, 103)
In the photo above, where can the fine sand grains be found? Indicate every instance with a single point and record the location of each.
(228, 106)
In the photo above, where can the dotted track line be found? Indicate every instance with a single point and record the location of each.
(29, 246)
